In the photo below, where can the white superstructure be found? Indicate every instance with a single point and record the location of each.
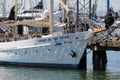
(56, 49)
(50, 51)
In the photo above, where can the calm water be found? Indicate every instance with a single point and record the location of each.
(29, 73)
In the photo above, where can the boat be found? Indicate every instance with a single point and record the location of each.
(62, 49)
(34, 12)
(31, 13)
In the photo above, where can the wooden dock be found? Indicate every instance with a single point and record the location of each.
(99, 58)
(106, 44)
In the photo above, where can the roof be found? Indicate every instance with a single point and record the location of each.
(37, 23)
(31, 22)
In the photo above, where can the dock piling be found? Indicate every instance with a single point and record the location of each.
(99, 59)
(83, 61)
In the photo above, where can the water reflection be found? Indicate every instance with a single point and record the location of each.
(24, 73)
(28, 73)
(99, 75)
(112, 72)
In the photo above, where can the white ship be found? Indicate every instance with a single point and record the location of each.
(57, 49)
(31, 13)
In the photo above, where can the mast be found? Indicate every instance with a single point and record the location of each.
(94, 9)
(89, 9)
(77, 17)
(108, 5)
(15, 3)
(51, 16)
(4, 8)
(15, 27)
(64, 13)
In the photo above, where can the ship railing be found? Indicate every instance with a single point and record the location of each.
(3, 38)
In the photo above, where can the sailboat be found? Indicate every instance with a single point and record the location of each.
(63, 49)
(31, 13)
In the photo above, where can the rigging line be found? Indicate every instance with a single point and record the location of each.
(87, 53)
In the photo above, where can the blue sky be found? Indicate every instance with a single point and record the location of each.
(101, 8)
(113, 3)
(101, 4)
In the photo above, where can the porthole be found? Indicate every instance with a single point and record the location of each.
(25, 52)
(36, 50)
(15, 53)
(49, 39)
(48, 49)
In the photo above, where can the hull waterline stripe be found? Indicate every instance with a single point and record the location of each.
(40, 64)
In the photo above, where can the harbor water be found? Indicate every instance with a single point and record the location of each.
(112, 71)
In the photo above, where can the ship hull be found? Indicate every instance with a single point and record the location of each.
(59, 51)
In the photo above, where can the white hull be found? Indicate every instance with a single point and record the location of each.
(63, 50)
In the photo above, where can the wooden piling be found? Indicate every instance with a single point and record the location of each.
(83, 62)
(99, 59)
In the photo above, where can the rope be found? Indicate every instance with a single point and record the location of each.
(87, 53)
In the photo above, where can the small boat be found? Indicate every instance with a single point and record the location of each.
(62, 49)
(34, 12)
(31, 13)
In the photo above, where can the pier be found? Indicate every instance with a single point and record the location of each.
(99, 52)
(99, 55)
(99, 44)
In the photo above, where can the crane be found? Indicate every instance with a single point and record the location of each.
(68, 11)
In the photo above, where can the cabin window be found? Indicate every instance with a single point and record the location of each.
(39, 40)
(15, 53)
(49, 39)
(66, 37)
(25, 52)
(55, 38)
(61, 37)
(44, 40)
(36, 50)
